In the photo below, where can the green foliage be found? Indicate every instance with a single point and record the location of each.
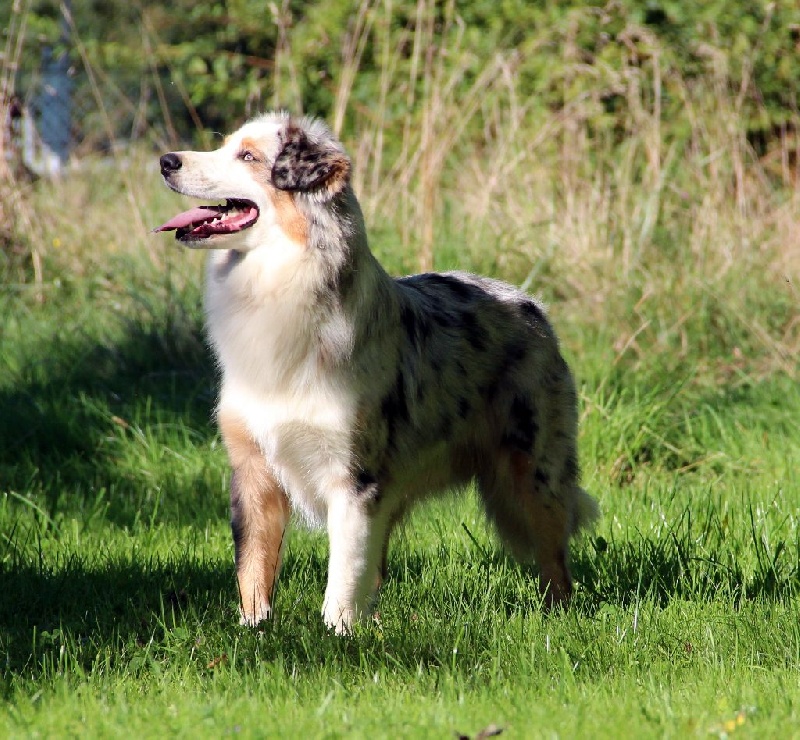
(232, 58)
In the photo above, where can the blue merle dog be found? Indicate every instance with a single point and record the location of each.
(348, 395)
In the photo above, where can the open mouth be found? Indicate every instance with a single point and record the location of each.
(206, 221)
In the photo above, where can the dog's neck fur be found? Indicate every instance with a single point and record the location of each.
(307, 303)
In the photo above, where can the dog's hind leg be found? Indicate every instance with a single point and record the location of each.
(533, 519)
(383, 569)
(358, 538)
(260, 512)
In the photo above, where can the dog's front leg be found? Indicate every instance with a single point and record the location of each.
(356, 536)
(260, 511)
(259, 515)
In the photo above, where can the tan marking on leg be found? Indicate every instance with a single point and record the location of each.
(521, 464)
(549, 530)
(532, 522)
(260, 511)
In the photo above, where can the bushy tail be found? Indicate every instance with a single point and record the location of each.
(587, 510)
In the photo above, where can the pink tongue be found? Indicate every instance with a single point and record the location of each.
(193, 216)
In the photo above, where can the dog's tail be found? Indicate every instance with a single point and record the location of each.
(586, 511)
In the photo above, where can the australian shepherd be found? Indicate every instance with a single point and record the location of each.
(348, 395)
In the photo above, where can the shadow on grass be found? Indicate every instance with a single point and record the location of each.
(111, 605)
(660, 570)
(117, 608)
(64, 423)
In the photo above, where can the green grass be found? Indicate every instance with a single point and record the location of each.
(118, 610)
(670, 266)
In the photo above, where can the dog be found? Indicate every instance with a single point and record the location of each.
(347, 395)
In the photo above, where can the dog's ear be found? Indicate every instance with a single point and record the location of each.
(310, 165)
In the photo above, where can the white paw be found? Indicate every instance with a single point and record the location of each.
(338, 618)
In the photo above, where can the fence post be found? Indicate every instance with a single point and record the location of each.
(54, 105)
(52, 109)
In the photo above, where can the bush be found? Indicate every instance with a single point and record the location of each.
(172, 66)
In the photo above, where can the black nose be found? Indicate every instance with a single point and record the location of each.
(170, 163)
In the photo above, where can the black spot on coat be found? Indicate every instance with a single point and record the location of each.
(461, 290)
(394, 406)
(522, 427)
(367, 488)
(533, 312)
(417, 327)
(475, 333)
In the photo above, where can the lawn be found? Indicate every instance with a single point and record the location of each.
(630, 194)
(118, 613)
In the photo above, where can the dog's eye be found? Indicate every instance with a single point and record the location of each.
(247, 156)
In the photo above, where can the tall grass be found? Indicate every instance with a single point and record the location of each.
(667, 225)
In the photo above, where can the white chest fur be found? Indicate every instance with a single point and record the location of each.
(262, 324)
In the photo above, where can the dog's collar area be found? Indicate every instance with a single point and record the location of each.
(205, 221)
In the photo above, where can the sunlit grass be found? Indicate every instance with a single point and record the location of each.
(119, 605)
(674, 288)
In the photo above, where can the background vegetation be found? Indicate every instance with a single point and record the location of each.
(633, 163)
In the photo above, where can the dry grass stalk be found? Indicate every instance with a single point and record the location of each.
(637, 223)
(18, 226)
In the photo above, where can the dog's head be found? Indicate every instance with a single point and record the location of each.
(259, 172)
